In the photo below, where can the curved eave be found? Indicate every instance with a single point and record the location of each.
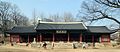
(20, 32)
(102, 32)
(61, 29)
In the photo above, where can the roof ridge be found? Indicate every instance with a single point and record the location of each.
(23, 26)
(96, 26)
(61, 22)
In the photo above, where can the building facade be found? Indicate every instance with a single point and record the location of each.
(60, 31)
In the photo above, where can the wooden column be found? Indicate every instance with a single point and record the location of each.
(93, 38)
(37, 38)
(28, 39)
(81, 37)
(10, 39)
(53, 38)
(40, 37)
(84, 38)
(108, 38)
(19, 39)
(68, 37)
(101, 38)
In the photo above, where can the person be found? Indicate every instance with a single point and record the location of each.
(84, 46)
(52, 45)
(74, 47)
(44, 45)
(2, 42)
(93, 44)
(11, 44)
(27, 44)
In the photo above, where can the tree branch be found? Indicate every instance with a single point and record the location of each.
(110, 3)
(113, 19)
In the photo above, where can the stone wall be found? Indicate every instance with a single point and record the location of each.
(60, 45)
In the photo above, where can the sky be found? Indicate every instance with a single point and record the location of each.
(47, 6)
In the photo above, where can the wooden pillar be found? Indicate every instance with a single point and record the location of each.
(37, 38)
(19, 39)
(53, 38)
(68, 37)
(40, 37)
(101, 38)
(84, 38)
(81, 37)
(93, 38)
(28, 39)
(10, 39)
(108, 38)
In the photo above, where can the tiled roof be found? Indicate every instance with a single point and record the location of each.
(22, 29)
(98, 29)
(61, 26)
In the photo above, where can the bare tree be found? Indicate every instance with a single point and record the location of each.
(100, 9)
(113, 26)
(55, 17)
(42, 17)
(35, 17)
(110, 3)
(24, 21)
(15, 15)
(93, 11)
(18, 18)
(8, 15)
(5, 9)
(47, 20)
(68, 17)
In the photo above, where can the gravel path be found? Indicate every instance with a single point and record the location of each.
(26, 49)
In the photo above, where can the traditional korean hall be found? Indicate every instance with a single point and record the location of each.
(59, 31)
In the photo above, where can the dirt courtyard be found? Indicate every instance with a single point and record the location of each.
(25, 49)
